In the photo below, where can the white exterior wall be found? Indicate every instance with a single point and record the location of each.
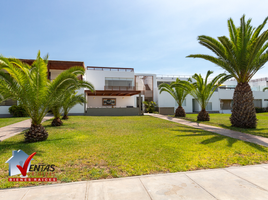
(261, 95)
(97, 77)
(78, 109)
(215, 100)
(166, 100)
(4, 110)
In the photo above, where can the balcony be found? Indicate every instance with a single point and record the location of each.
(120, 88)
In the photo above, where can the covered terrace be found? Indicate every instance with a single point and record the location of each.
(113, 103)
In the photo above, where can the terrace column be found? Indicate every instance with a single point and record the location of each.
(140, 103)
(85, 104)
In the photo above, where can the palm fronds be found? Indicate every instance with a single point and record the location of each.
(178, 93)
(243, 54)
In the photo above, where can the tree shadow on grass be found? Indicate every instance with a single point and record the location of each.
(231, 141)
(196, 132)
(28, 148)
(240, 129)
(217, 138)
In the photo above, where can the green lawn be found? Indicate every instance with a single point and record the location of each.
(11, 120)
(88, 148)
(222, 120)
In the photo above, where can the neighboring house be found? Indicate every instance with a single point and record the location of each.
(18, 158)
(54, 68)
(221, 100)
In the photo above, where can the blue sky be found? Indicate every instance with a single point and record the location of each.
(149, 35)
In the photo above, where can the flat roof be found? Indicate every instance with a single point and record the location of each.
(57, 64)
(112, 93)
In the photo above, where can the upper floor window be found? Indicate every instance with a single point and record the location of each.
(113, 81)
(9, 102)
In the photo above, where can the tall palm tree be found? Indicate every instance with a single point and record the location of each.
(58, 107)
(178, 93)
(70, 101)
(202, 90)
(242, 55)
(30, 86)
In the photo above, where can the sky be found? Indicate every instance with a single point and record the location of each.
(151, 36)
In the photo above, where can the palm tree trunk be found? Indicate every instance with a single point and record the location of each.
(36, 133)
(203, 115)
(56, 122)
(180, 112)
(243, 110)
(65, 117)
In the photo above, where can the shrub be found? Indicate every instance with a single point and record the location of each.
(150, 106)
(17, 111)
(261, 110)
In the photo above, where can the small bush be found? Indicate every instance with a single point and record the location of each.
(150, 106)
(17, 111)
(261, 110)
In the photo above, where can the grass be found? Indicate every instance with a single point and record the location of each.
(87, 148)
(223, 121)
(11, 120)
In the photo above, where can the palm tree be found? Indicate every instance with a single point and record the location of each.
(178, 93)
(202, 90)
(242, 55)
(29, 85)
(57, 108)
(266, 88)
(70, 101)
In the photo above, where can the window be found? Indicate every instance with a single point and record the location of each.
(209, 106)
(9, 102)
(119, 81)
(226, 104)
(257, 103)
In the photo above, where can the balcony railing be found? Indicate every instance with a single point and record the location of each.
(161, 76)
(110, 69)
(120, 88)
(227, 88)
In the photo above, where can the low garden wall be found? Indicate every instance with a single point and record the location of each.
(166, 110)
(112, 111)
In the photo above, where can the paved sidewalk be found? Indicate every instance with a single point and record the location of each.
(245, 183)
(226, 132)
(17, 128)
